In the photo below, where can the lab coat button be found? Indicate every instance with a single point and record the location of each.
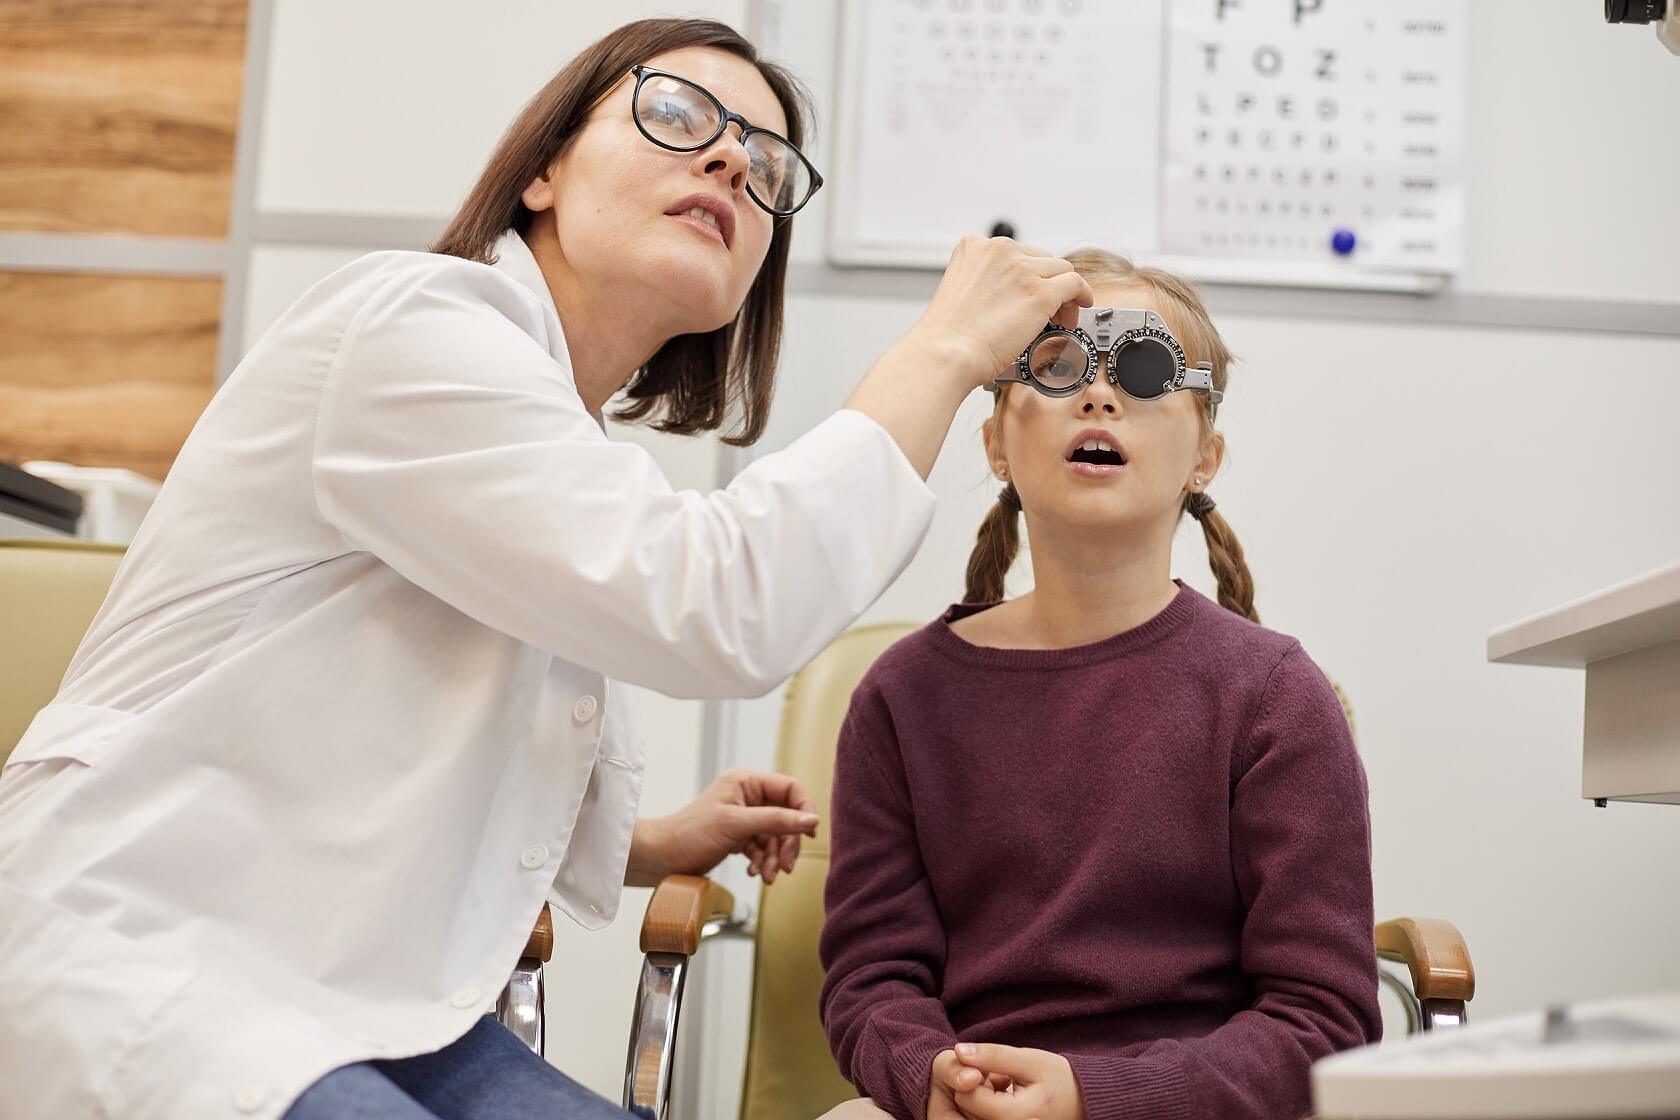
(534, 857)
(250, 1098)
(464, 998)
(584, 710)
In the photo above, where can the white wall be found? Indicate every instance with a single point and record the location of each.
(1401, 489)
(389, 107)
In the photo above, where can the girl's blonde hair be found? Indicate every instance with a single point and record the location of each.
(1181, 306)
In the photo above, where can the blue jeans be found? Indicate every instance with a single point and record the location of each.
(487, 1074)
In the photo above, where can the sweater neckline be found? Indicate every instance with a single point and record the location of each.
(1164, 623)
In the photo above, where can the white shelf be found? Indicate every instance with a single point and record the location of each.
(1627, 639)
(1642, 612)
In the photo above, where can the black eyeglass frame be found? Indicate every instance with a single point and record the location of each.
(726, 117)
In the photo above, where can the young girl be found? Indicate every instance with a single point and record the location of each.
(1101, 850)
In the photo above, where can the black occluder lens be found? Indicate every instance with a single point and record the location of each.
(1145, 367)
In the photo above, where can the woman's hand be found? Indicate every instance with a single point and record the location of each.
(1039, 1085)
(991, 303)
(759, 815)
(995, 296)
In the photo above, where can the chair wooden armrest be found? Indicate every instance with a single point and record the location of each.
(541, 943)
(1435, 953)
(677, 915)
(672, 929)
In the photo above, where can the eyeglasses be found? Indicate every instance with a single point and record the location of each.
(1144, 359)
(680, 116)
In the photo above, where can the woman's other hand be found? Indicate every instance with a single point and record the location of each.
(760, 815)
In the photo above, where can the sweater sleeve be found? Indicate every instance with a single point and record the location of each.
(1301, 859)
(882, 943)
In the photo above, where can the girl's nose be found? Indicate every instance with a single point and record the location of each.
(1099, 394)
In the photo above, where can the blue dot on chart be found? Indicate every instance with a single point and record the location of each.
(1343, 241)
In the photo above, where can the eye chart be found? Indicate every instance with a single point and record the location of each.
(1315, 142)
(1327, 128)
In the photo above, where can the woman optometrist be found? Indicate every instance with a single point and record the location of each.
(352, 708)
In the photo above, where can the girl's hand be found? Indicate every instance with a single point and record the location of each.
(950, 1077)
(1041, 1085)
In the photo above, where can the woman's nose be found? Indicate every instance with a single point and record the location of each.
(727, 160)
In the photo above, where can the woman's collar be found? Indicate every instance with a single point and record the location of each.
(514, 257)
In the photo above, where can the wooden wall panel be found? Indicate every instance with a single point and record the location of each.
(104, 371)
(119, 117)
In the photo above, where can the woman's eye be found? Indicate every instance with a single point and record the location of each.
(769, 173)
(668, 113)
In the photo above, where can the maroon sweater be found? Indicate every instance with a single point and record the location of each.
(1150, 854)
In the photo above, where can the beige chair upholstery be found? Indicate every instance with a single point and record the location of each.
(790, 1074)
(789, 1069)
(49, 592)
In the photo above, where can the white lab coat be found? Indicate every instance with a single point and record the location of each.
(345, 719)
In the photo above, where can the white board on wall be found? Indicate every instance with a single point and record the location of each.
(954, 115)
(1316, 142)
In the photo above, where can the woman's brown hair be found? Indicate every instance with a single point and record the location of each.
(1181, 306)
(693, 382)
